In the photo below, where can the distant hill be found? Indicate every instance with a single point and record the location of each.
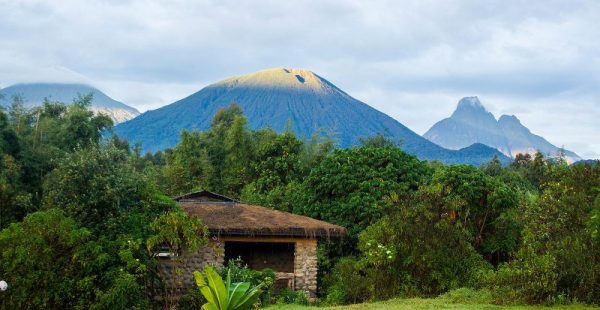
(271, 98)
(588, 162)
(472, 123)
(34, 94)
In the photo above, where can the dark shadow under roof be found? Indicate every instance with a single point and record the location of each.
(204, 196)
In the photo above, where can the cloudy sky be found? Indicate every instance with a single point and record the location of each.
(413, 60)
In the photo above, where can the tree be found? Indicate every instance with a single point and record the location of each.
(278, 171)
(434, 239)
(188, 166)
(51, 262)
(215, 142)
(96, 186)
(238, 158)
(349, 186)
(558, 255)
(9, 141)
(41, 259)
(47, 133)
(182, 235)
(378, 140)
(81, 127)
(521, 160)
(425, 253)
(493, 167)
(482, 205)
(15, 203)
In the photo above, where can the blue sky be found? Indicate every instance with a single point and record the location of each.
(413, 60)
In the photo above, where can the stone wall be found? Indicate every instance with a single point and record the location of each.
(305, 266)
(178, 272)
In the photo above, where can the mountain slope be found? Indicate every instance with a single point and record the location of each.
(34, 94)
(521, 140)
(270, 98)
(472, 123)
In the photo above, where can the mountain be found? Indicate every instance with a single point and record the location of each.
(34, 94)
(271, 98)
(590, 162)
(472, 123)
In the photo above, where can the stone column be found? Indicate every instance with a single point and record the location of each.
(305, 266)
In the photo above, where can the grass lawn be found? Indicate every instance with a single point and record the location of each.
(419, 303)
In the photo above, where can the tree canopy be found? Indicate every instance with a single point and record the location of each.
(82, 213)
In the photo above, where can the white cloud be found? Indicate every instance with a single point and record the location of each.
(412, 60)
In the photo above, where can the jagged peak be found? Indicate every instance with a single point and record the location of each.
(470, 109)
(512, 123)
(470, 102)
(512, 119)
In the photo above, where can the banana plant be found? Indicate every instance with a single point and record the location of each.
(225, 295)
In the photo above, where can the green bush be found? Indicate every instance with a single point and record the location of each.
(532, 279)
(346, 283)
(558, 260)
(287, 296)
(191, 300)
(417, 254)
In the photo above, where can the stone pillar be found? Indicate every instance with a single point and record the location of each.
(305, 266)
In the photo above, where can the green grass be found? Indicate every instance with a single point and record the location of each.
(420, 303)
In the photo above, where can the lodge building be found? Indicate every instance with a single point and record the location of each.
(261, 237)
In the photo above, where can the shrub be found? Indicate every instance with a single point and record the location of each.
(558, 260)
(345, 284)
(529, 280)
(287, 296)
(417, 254)
(191, 300)
(40, 258)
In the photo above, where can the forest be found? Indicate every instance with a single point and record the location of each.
(81, 212)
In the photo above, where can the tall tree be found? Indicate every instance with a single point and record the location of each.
(349, 186)
(238, 158)
(188, 166)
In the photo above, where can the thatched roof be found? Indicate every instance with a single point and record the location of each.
(232, 218)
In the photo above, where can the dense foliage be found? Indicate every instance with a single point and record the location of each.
(527, 232)
(78, 213)
(559, 256)
(81, 216)
(349, 186)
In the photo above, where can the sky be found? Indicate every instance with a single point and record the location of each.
(414, 60)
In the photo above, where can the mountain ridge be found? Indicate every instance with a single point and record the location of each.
(33, 94)
(272, 97)
(472, 123)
